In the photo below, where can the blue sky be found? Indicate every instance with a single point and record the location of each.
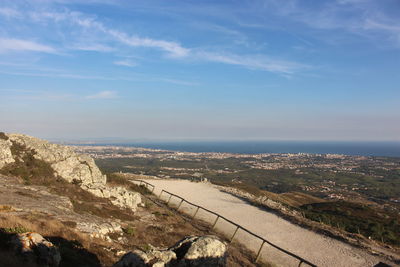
(212, 70)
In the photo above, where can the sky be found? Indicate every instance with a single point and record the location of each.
(201, 70)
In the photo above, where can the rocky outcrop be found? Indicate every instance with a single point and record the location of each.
(191, 251)
(5, 152)
(99, 230)
(119, 196)
(68, 165)
(36, 249)
(65, 162)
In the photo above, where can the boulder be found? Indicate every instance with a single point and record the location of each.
(201, 251)
(135, 258)
(35, 248)
(99, 230)
(191, 251)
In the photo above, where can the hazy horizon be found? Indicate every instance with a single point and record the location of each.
(231, 70)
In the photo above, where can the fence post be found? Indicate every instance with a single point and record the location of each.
(237, 228)
(180, 204)
(300, 263)
(152, 191)
(194, 215)
(215, 223)
(259, 251)
(160, 194)
(169, 199)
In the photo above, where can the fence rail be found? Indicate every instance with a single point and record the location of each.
(238, 227)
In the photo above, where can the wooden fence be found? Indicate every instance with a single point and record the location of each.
(220, 217)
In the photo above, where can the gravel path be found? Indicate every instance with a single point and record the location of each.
(318, 249)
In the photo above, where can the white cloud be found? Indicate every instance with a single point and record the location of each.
(24, 45)
(103, 95)
(92, 47)
(179, 82)
(126, 63)
(104, 39)
(392, 28)
(254, 62)
(174, 49)
(9, 12)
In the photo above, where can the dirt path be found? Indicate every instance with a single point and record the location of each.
(318, 249)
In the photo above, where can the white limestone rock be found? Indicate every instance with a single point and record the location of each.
(99, 230)
(119, 196)
(205, 247)
(70, 166)
(191, 251)
(5, 153)
(65, 162)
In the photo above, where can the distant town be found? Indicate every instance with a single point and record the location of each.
(331, 176)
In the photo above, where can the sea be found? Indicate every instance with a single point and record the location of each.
(387, 149)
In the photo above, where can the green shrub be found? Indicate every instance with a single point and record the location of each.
(129, 230)
(356, 218)
(16, 230)
(3, 136)
(27, 167)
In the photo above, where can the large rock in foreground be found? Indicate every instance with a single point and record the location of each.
(189, 252)
(72, 167)
(35, 248)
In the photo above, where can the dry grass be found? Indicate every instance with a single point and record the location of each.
(115, 179)
(169, 226)
(77, 249)
(6, 208)
(297, 199)
(42, 224)
(290, 199)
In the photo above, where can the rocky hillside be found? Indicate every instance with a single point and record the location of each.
(58, 209)
(27, 156)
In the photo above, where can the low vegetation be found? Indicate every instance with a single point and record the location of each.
(27, 167)
(357, 218)
(119, 180)
(3, 136)
(76, 249)
(375, 187)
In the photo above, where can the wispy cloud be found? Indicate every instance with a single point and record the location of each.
(360, 18)
(179, 82)
(392, 28)
(102, 38)
(9, 12)
(58, 75)
(103, 95)
(138, 77)
(24, 45)
(259, 62)
(173, 49)
(93, 47)
(125, 63)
